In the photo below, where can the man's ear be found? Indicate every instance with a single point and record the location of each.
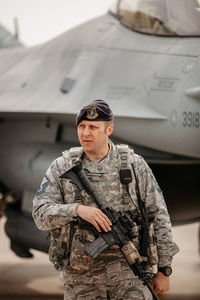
(110, 129)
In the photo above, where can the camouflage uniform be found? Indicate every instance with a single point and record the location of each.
(54, 209)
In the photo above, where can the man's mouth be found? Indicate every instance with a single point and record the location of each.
(87, 141)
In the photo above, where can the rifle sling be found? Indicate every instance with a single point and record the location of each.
(145, 231)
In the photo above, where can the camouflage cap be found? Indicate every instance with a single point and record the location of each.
(97, 110)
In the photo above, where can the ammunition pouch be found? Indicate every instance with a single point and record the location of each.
(79, 260)
(60, 246)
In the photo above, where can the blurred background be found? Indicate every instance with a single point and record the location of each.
(40, 21)
(35, 22)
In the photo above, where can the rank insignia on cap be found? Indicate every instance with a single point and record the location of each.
(92, 113)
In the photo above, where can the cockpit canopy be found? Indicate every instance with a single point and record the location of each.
(160, 17)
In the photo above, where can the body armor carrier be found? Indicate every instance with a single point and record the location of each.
(117, 186)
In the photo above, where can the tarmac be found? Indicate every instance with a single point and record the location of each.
(31, 279)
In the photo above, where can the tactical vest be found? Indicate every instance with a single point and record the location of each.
(105, 180)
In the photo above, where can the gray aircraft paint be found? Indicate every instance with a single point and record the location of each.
(151, 83)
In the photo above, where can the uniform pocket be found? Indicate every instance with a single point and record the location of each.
(59, 246)
(79, 260)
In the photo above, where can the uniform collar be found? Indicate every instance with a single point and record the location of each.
(108, 157)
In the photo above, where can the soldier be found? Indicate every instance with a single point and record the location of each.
(58, 203)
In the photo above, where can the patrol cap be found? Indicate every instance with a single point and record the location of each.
(97, 110)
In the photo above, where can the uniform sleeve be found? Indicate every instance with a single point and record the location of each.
(153, 197)
(49, 209)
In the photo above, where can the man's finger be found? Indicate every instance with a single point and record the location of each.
(106, 218)
(104, 225)
(95, 224)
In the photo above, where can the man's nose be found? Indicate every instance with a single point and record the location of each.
(86, 131)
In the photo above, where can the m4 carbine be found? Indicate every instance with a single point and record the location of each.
(122, 230)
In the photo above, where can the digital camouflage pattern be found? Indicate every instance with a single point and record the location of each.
(54, 209)
(130, 289)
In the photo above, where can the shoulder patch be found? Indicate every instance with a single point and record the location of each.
(158, 187)
(43, 186)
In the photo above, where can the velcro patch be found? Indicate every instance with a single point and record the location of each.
(43, 187)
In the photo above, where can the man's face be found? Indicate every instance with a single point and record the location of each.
(93, 135)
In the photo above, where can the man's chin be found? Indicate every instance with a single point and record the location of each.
(87, 145)
(87, 148)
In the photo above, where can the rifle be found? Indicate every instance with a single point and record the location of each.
(122, 230)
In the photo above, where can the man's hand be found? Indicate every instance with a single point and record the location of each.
(160, 284)
(94, 216)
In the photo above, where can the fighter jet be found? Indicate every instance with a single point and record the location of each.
(143, 58)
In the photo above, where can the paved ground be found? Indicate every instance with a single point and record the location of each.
(31, 279)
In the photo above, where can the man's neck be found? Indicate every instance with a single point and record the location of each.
(98, 155)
